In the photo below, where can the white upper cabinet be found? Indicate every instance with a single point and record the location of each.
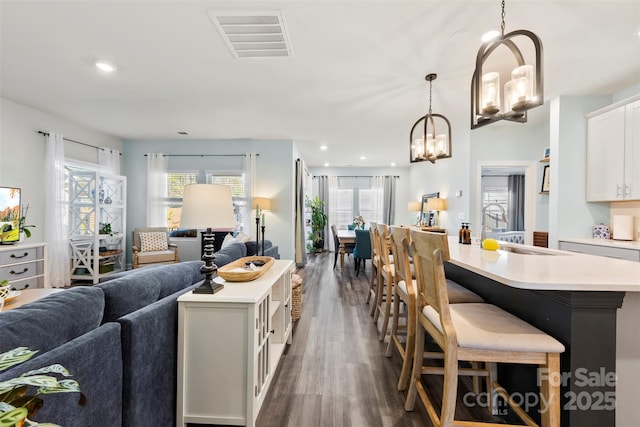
(613, 154)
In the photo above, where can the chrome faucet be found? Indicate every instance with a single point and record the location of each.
(483, 233)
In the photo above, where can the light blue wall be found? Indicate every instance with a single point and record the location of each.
(275, 168)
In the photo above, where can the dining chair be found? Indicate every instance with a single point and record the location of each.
(405, 292)
(362, 249)
(476, 332)
(348, 247)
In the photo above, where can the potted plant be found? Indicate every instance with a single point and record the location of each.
(16, 405)
(22, 223)
(105, 228)
(318, 221)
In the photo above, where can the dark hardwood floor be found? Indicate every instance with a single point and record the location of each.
(335, 372)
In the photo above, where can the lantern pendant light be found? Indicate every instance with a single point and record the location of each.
(430, 145)
(523, 87)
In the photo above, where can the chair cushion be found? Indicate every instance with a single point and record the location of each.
(153, 241)
(155, 256)
(485, 326)
(459, 294)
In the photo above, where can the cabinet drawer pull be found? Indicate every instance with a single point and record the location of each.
(273, 331)
(26, 254)
(19, 272)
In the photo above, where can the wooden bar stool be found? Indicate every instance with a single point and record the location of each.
(373, 278)
(386, 280)
(474, 333)
(404, 274)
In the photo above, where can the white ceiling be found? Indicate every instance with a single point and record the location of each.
(355, 81)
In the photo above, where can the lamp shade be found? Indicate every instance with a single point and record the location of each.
(414, 206)
(263, 202)
(436, 204)
(207, 206)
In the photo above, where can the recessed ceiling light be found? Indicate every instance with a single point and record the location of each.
(323, 147)
(490, 35)
(106, 67)
(326, 165)
(393, 165)
(363, 157)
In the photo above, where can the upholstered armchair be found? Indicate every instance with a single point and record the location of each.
(151, 246)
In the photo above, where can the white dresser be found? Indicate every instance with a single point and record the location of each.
(24, 265)
(229, 345)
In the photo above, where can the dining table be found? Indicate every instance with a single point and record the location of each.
(26, 296)
(345, 237)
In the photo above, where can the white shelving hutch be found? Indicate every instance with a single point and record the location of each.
(96, 199)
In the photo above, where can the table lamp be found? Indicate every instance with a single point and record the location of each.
(415, 207)
(436, 204)
(208, 206)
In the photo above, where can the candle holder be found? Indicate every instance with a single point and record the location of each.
(263, 227)
(257, 232)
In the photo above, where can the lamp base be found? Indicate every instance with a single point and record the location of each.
(208, 288)
(209, 269)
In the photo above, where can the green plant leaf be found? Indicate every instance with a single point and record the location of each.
(62, 386)
(15, 357)
(35, 380)
(10, 418)
(55, 368)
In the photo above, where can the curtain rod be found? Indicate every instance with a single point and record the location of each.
(205, 155)
(356, 176)
(72, 140)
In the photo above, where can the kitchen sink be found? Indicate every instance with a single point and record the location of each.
(526, 251)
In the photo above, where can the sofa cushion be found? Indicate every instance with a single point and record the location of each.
(129, 293)
(95, 361)
(230, 253)
(53, 320)
(253, 247)
(151, 329)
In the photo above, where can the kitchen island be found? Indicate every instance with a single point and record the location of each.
(574, 298)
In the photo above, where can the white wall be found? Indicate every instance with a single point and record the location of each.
(275, 168)
(22, 153)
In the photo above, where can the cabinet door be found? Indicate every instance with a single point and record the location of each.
(605, 156)
(632, 152)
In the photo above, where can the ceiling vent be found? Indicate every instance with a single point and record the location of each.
(253, 34)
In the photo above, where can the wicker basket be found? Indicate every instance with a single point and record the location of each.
(296, 300)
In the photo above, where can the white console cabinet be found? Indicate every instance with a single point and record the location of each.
(229, 345)
(24, 265)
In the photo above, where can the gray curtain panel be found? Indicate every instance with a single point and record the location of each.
(300, 245)
(389, 199)
(516, 203)
(323, 193)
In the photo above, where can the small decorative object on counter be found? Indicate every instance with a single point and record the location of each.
(601, 232)
(460, 233)
(466, 235)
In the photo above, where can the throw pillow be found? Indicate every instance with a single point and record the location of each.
(242, 238)
(228, 239)
(153, 241)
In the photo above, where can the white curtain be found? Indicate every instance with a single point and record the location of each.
(109, 160)
(378, 185)
(56, 218)
(249, 173)
(157, 165)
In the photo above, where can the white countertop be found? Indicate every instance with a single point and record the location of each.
(558, 270)
(624, 244)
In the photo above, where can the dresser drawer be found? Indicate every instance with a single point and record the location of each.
(18, 271)
(18, 255)
(28, 283)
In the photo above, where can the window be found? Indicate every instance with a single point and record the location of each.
(177, 180)
(495, 201)
(355, 196)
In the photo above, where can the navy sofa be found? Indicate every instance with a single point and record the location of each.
(118, 339)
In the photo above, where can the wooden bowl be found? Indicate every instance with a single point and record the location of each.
(235, 271)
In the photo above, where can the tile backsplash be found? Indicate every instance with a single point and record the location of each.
(627, 208)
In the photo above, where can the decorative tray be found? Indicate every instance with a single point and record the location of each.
(236, 272)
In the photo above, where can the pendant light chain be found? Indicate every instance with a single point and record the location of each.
(430, 86)
(502, 23)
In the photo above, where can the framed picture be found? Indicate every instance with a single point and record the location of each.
(426, 216)
(545, 180)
